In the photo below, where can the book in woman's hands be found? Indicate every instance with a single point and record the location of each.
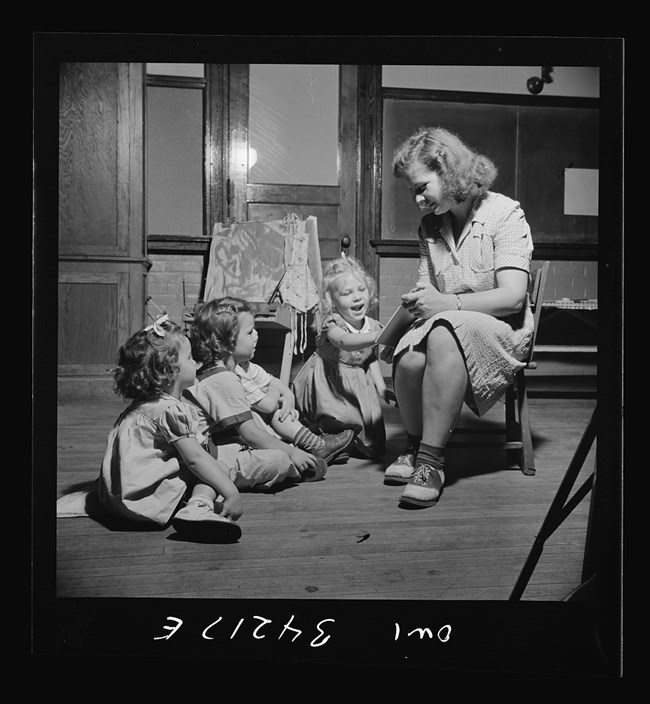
(395, 327)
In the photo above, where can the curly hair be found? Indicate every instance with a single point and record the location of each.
(215, 328)
(463, 172)
(339, 267)
(147, 363)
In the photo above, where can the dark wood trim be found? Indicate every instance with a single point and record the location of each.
(175, 244)
(384, 249)
(555, 251)
(129, 133)
(566, 251)
(348, 177)
(106, 259)
(287, 193)
(215, 121)
(453, 96)
(370, 167)
(395, 248)
(191, 82)
(134, 162)
(237, 137)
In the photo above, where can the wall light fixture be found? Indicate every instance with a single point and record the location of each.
(535, 84)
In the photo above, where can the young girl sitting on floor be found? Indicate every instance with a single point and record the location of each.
(275, 403)
(340, 385)
(219, 329)
(153, 457)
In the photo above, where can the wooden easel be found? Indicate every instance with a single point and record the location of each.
(561, 508)
(277, 317)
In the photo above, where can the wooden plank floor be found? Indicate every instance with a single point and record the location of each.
(345, 537)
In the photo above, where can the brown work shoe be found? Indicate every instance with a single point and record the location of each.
(333, 445)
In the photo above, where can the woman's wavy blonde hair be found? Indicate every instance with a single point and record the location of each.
(464, 173)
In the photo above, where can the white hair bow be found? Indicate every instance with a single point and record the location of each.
(157, 327)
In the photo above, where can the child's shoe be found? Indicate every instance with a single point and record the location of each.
(424, 487)
(332, 445)
(401, 470)
(198, 521)
(315, 474)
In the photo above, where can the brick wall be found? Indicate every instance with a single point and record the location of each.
(174, 283)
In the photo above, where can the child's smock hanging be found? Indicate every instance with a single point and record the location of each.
(298, 288)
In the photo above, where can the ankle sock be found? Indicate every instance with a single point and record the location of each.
(413, 442)
(431, 455)
(307, 441)
(200, 498)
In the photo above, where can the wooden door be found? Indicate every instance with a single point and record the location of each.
(102, 264)
(335, 207)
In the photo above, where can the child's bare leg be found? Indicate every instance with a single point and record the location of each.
(287, 428)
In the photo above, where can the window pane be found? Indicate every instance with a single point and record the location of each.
(174, 161)
(293, 124)
(186, 70)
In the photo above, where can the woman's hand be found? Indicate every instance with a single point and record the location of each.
(425, 300)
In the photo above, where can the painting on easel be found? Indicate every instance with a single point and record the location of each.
(246, 260)
(264, 261)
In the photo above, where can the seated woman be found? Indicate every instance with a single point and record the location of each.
(473, 322)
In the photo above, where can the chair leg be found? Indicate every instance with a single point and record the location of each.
(511, 422)
(287, 358)
(512, 427)
(527, 454)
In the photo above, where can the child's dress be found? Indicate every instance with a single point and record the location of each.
(335, 390)
(142, 476)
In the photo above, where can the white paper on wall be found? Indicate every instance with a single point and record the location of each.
(581, 192)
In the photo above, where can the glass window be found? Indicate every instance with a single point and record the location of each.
(174, 161)
(187, 70)
(293, 124)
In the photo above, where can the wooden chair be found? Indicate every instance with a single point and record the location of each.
(518, 439)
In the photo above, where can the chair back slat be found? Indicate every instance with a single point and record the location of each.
(536, 300)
